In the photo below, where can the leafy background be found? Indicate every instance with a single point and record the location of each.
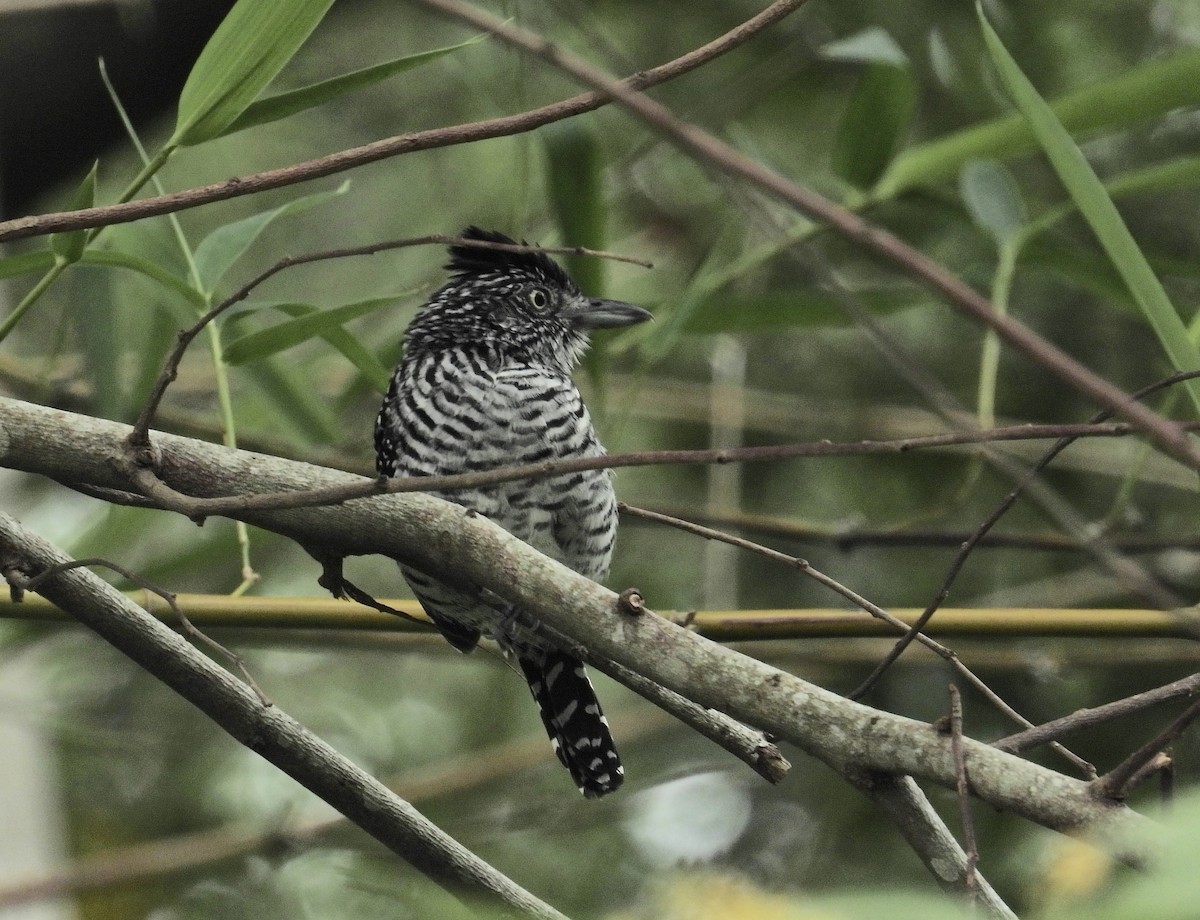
(875, 104)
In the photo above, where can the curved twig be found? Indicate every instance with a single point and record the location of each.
(344, 160)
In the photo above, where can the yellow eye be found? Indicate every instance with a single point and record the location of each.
(539, 300)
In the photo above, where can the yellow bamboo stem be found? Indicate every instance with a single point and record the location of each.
(309, 613)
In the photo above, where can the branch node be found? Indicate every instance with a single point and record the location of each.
(631, 603)
(771, 762)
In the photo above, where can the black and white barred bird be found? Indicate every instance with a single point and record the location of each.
(486, 382)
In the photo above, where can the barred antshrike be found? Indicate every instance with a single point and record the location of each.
(486, 382)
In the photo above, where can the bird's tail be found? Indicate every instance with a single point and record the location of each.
(572, 716)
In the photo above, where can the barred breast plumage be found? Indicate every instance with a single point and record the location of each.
(485, 383)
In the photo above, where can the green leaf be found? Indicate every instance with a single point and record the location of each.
(26, 262)
(1098, 210)
(576, 176)
(875, 123)
(218, 251)
(870, 46)
(247, 51)
(1092, 271)
(881, 109)
(1130, 97)
(115, 258)
(309, 325)
(273, 108)
(351, 348)
(992, 199)
(103, 340)
(158, 334)
(575, 173)
(1082, 267)
(68, 247)
(736, 313)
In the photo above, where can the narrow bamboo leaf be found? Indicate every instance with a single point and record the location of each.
(26, 262)
(247, 51)
(655, 340)
(1098, 210)
(992, 199)
(875, 123)
(576, 178)
(218, 251)
(1130, 97)
(115, 258)
(575, 173)
(351, 348)
(273, 108)
(722, 266)
(289, 334)
(792, 309)
(68, 247)
(103, 340)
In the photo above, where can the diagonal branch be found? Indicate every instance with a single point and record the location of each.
(438, 537)
(344, 160)
(1097, 715)
(1116, 783)
(724, 158)
(968, 547)
(901, 799)
(270, 733)
(801, 565)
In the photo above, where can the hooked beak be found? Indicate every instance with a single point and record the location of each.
(606, 314)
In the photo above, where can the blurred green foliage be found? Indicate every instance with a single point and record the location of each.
(893, 109)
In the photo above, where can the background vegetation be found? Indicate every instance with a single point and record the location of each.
(768, 330)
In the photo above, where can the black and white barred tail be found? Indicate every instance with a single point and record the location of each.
(573, 720)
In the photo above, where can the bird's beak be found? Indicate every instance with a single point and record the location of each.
(606, 314)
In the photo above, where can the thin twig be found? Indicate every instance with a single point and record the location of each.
(196, 507)
(344, 160)
(989, 522)
(746, 744)
(963, 790)
(1086, 718)
(1166, 784)
(858, 600)
(141, 429)
(1162, 762)
(1116, 783)
(850, 540)
(31, 584)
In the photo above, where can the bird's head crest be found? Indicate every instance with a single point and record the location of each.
(478, 260)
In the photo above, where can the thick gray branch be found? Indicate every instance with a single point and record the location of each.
(901, 799)
(267, 731)
(443, 539)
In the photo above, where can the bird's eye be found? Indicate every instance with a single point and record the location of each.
(539, 300)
